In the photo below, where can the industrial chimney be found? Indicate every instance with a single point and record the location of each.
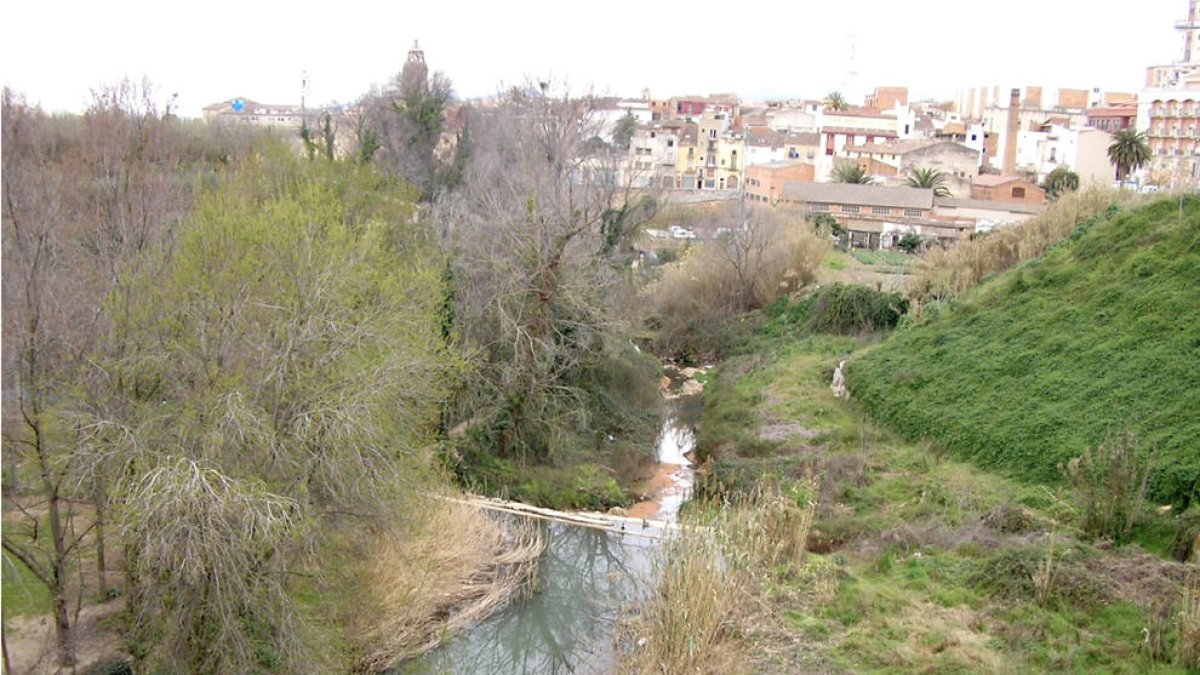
(1010, 134)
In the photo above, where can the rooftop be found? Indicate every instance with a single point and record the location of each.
(992, 180)
(895, 147)
(864, 195)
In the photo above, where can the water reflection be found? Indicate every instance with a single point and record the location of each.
(585, 578)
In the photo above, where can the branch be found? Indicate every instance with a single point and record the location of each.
(27, 559)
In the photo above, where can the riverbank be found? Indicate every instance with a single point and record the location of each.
(915, 561)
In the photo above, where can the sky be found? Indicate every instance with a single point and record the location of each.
(57, 52)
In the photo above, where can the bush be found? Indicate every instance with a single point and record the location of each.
(1110, 487)
(849, 309)
(698, 302)
(1019, 575)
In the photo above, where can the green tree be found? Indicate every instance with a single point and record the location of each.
(1060, 181)
(1129, 152)
(851, 173)
(835, 101)
(910, 242)
(290, 363)
(930, 179)
(824, 221)
(623, 133)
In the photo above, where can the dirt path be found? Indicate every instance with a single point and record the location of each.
(31, 639)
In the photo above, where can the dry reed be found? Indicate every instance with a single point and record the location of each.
(947, 273)
(452, 568)
(691, 623)
(1187, 625)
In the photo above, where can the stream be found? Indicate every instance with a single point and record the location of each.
(587, 579)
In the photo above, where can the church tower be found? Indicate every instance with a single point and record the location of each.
(414, 78)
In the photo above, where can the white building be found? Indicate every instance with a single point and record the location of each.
(1083, 150)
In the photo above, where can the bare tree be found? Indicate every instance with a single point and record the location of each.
(39, 318)
(540, 214)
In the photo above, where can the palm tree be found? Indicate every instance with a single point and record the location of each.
(930, 179)
(1129, 151)
(835, 101)
(851, 173)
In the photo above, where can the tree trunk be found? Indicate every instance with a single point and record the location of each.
(98, 502)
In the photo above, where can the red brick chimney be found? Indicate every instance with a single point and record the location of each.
(1010, 134)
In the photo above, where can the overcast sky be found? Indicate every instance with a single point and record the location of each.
(56, 52)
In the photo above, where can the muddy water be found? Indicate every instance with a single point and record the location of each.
(586, 579)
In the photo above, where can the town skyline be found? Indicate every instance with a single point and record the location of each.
(788, 52)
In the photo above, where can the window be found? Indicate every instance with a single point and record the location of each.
(712, 133)
(652, 134)
(850, 208)
(912, 213)
(670, 142)
(880, 210)
(820, 207)
(1018, 193)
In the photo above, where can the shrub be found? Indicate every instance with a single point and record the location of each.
(849, 309)
(697, 302)
(1110, 487)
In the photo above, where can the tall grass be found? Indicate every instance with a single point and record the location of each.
(1110, 486)
(707, 575)
(947, 273)
(1187, 625)
(452, 567)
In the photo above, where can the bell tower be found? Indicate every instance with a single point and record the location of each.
(414, 77)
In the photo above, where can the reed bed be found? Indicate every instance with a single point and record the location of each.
(692, 622)
(946, 273)
(453, 568)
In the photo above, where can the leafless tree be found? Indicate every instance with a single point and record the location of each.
(40, 320)
(540, 214)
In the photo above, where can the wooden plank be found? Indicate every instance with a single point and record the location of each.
(601, 521)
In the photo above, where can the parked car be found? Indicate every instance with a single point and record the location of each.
(678, 232)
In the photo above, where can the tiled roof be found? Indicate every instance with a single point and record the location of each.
(894, 147)
(992, 180)
(859, 112)
(779, 164)
(863, 195)
(850, 131)
(1011, 207)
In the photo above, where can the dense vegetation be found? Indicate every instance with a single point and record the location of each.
(237, 364)
(1099, 336)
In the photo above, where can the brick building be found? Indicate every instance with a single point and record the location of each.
(1007, 189)
(764, 182)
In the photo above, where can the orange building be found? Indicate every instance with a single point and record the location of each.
(1014, 189)
(764, 182)
(886, 98)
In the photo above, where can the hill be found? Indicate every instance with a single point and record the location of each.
(1098, 336)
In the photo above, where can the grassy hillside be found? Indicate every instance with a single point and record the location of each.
(1100, 335)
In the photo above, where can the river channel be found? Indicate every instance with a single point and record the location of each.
(587, 579)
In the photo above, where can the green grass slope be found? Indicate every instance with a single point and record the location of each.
(1100, 335)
